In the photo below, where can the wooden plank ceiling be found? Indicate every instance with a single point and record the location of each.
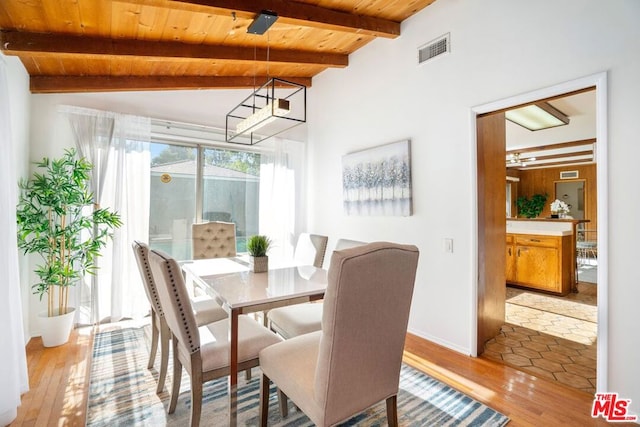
(120, 45)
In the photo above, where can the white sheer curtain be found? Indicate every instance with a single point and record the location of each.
(93, 132)
(282, 198)
(14, 379)
(118, 147)
(127, 191)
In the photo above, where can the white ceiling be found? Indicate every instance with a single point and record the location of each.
(581, 110)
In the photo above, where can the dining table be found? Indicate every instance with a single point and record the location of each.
(232, 284)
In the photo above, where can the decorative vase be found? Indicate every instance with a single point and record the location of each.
(259, 264)
(55, 329)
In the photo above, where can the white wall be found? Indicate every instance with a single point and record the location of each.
(500, 48)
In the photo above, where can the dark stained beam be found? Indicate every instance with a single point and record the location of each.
(553, 146)
(16, 43)
(68, 84)
(308, 15)
(567, 163)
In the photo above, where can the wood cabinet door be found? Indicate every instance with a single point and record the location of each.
(511, 263)
(538, 267)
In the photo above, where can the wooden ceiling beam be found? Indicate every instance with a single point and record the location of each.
(553, 146)
(17, 42)
(307, 15)
(567, 163)
(69, 84)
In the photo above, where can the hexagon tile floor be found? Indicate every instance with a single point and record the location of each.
(549, 336)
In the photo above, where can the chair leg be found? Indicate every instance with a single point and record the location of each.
(247, 374)
(392, 411)
(264, 400)
(177, 377)
(165, 338)
(283, 403)
(196, 397)
(154, 340)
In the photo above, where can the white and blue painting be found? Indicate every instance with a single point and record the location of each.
(377, 181)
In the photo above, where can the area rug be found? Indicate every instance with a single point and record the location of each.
(122, 393)
(581, 305)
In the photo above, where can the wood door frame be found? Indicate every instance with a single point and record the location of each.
(599, 81)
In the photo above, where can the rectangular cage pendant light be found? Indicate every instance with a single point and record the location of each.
(271, 109)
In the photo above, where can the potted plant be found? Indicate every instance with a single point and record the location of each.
(531, 208)
(54, 223)
(257, 246)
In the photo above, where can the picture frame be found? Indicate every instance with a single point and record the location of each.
(377, 181)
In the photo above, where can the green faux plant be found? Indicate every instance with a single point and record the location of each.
(531, 208)
(51, 223)
(258, 245)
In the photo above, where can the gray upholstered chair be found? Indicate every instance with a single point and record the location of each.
(205, 310)
(204, 350)
(215, 239)
(293, 320)
(310, 249)
(355, 360)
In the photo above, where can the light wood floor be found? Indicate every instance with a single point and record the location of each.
(59, 385)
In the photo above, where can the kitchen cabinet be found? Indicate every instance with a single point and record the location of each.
(540, 262)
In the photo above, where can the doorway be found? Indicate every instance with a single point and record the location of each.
(573, 194)
(491, 236)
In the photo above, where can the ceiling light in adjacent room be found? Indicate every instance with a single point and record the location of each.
(537, 116)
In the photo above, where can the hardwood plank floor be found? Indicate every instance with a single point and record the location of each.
(59, 381)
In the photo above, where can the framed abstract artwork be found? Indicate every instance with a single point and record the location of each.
(377, 181)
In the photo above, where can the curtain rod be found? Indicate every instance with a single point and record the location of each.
(185, 125)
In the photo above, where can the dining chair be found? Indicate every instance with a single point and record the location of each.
(204, 350)
(293, 320)
(205, 310)
(310, 249)
(214, 239)
(354, 361)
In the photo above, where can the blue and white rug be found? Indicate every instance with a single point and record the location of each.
(122, 393)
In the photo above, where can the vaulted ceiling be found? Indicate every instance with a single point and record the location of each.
(122, 45)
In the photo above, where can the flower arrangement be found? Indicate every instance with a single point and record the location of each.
(559, 207)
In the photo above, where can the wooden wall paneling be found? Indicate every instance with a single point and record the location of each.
(542, 181)
(492, 177)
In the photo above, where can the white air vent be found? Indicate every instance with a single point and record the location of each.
(434, 48)
(568, 174)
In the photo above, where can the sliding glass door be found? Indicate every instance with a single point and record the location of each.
(230, 191)
(191, 183)
(172, 198)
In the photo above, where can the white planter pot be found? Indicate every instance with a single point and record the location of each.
(55, 330)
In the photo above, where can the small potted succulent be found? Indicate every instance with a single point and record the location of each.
(257, 246)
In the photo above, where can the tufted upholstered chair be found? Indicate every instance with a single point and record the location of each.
(354, 361)
(204, 350)
(293, 320)
(206, 311)
(215, 239)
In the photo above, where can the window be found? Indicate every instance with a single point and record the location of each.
(191, 183)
